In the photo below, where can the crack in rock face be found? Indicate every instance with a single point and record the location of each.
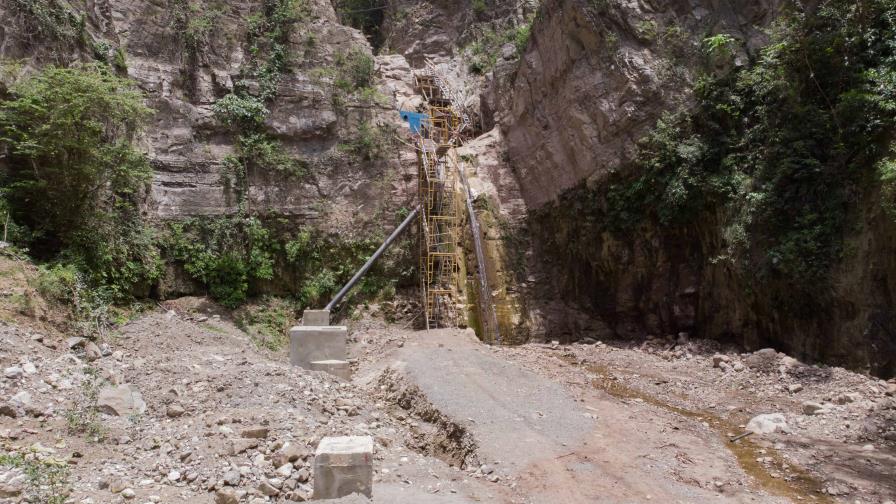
(442, 437)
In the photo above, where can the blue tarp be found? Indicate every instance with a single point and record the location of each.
(415, 119)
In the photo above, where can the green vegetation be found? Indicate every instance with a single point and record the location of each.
(355, 71)
(225, 254)
(84, 416)
(485, 49)
(50, 19)
(370, 143)
(240, 110)
(245, 111)
(233, 256)
(73, 177)
(46, 479)
(194, 23)
(778, 150)
(268, 321)
(719, 44)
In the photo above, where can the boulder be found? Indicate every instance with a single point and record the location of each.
(92, 352)
(763, 360)
(121, 400)
(13, 373)
(768, 423)
(813, 408)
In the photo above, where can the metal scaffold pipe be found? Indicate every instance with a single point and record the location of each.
(376, 255)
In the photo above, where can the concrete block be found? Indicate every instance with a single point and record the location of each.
(343, 466)
(337, 368)
(316, 318)
(310, 344)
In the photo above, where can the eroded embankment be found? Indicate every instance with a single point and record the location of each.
(441, 437)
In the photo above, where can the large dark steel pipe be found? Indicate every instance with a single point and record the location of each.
(376, 255)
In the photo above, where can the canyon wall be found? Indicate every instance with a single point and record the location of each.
(594, 79)
(182, 78)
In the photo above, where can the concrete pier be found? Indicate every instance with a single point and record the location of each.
(316, 318)
(338, 368)
(309, 344)
(343, 466)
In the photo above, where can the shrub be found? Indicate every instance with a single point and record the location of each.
(84, 415)
(370, 143)
(46, 478)
(240, 110)
(780, 148)
(51, 19)
(268, 321)
(484, 50)
(224, 254)
(73, 176)
(266, 153)
(355, 70)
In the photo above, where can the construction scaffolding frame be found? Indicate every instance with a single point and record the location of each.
(440, 211)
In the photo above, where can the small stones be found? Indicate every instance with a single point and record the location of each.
(238, 446)
(793, 389)
(738, 367)
(75, 342)
(128, 493)
(7, 410)
(847, 398)
(115, 486)
(285, 470)
(175, 411)
(9, 491)
(232, 477)
(718, 359)
(92, 352)
(267, 489)
(174, 476)
(226, 496)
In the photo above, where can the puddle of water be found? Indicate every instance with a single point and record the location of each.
(800, 485)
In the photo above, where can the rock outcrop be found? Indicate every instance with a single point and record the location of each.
(595, 78)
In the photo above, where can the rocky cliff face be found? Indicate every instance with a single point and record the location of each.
(594, 79)
(597, 75)
(186, 56)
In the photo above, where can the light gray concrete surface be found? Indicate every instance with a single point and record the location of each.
(310, 344)
(343, 466)
(316, 318)
(514, 414)
(338, 368)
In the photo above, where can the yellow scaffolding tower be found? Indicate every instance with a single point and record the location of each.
(440, 215)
